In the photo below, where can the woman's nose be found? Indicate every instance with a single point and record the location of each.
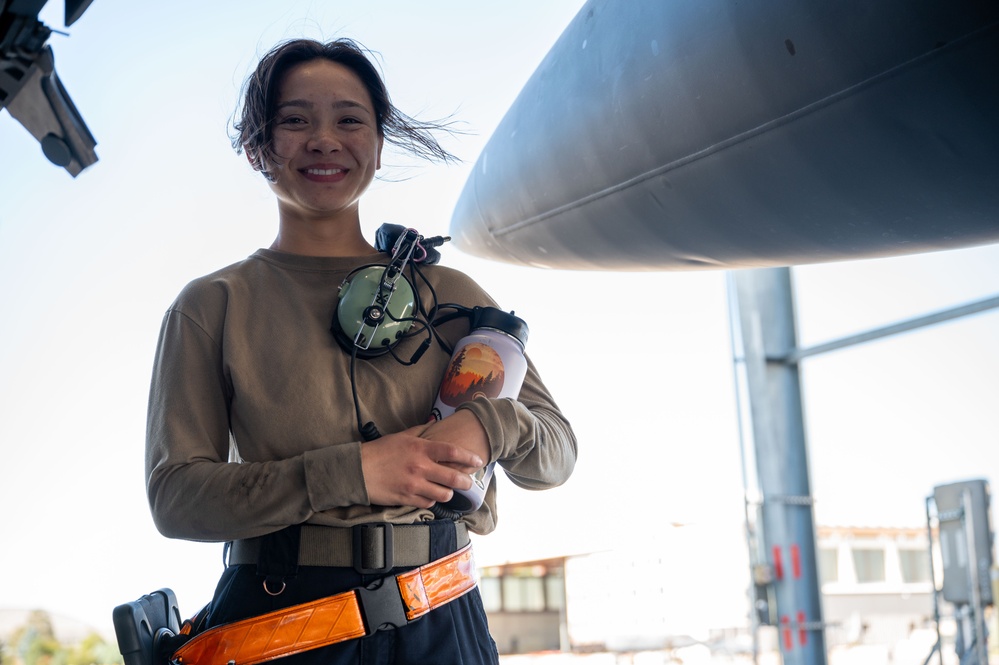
(324, 139)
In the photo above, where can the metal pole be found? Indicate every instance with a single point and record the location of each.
(903, 326)
(765, 308)
(933, 585)
(977, 615)
(747, 460)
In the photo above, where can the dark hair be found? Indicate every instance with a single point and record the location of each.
(253, 124)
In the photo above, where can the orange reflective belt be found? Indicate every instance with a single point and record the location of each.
(388, 603)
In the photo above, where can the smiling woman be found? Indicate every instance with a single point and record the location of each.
(251, 438)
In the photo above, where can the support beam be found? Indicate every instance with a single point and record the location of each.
(903, 326)
(763, 325)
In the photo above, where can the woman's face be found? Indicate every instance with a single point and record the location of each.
(326, 146)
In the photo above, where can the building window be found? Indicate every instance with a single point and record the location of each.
(555, 590)
(492, 597)
(869, 564)
(523, 594)
(915, 565)
(526, 588)
(828, 565)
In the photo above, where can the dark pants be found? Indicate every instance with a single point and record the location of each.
(454, 634)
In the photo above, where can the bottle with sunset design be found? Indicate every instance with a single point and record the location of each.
(488, 362)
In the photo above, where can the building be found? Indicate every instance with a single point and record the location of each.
(691, 586)
(877, 584)
(525, 603)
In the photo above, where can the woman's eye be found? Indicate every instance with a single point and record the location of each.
(291, 120)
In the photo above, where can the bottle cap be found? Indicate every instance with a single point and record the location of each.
(497, 319)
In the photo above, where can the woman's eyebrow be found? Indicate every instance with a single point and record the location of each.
(306, 104)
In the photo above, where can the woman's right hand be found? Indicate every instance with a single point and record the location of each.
(403, 469)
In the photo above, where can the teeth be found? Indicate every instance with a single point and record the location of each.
(322, 171)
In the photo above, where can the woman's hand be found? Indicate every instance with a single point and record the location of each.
(407, 469)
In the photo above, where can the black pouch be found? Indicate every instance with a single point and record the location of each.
(146, 628)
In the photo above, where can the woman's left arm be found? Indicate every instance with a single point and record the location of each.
(529, 437)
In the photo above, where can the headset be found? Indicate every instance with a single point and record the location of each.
(378, 306)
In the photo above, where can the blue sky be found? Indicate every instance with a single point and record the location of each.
(88, 265)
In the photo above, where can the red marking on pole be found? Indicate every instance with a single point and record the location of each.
(778, 564)
(795, 562)
(788, 639)
(802, 633)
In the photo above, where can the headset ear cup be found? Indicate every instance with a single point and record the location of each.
(346, 342)
(367, 320)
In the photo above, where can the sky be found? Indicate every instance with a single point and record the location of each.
(89, 265)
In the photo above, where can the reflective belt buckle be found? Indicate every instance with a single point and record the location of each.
(367, 543)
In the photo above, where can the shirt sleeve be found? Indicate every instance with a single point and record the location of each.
(194, 491)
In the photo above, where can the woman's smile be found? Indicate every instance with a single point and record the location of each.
(324, 173)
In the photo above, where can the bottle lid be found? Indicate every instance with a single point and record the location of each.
(497, 319)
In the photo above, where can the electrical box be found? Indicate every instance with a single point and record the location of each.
(955, 542)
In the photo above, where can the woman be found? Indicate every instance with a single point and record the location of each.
(256, 409)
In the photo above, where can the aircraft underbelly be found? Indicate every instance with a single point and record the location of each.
(731, 135)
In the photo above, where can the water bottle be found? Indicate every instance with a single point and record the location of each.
(489, 361)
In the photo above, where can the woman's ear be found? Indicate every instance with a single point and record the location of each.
(251, 156)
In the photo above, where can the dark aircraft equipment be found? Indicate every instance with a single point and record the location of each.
(31, 91)
(719, 134)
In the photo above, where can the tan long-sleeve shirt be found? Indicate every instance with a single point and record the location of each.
(247, 369)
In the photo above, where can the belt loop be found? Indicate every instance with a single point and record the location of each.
(366, 547)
